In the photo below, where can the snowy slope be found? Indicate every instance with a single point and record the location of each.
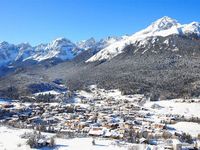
(25, 50)
(194, 128)
(174, 107)
(107, 41)
(162, 27)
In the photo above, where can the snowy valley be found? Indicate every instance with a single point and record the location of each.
(137, 92)
(106, 117)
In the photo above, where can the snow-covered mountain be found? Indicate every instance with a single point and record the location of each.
(60, 48)
(25, 50)
(162, 27)
(87, 44)
(8, 53)
(97, 45)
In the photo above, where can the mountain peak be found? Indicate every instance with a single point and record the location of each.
(86, 44)
(60, 41)
(164, 23)
(163, 27)
(4, 43)
(193, 28)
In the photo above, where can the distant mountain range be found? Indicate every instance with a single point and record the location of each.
(60, 48)
(162, 60)
(108, 48)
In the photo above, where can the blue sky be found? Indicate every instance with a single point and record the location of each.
(41, 21)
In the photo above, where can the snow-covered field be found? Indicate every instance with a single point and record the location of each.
(106, 94)
(10, 140)
(187, 127)
(48, 92)
(173, 107)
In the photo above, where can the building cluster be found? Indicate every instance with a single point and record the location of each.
(98, 116)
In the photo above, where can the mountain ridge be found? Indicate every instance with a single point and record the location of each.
(104, 49)
(162, 27)
(60, 48)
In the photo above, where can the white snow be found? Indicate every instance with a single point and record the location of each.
(48, 92)
(193, 27)
(187, 127)
(107, 94)
(10, 140)
(174, 107)
(60, 48)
